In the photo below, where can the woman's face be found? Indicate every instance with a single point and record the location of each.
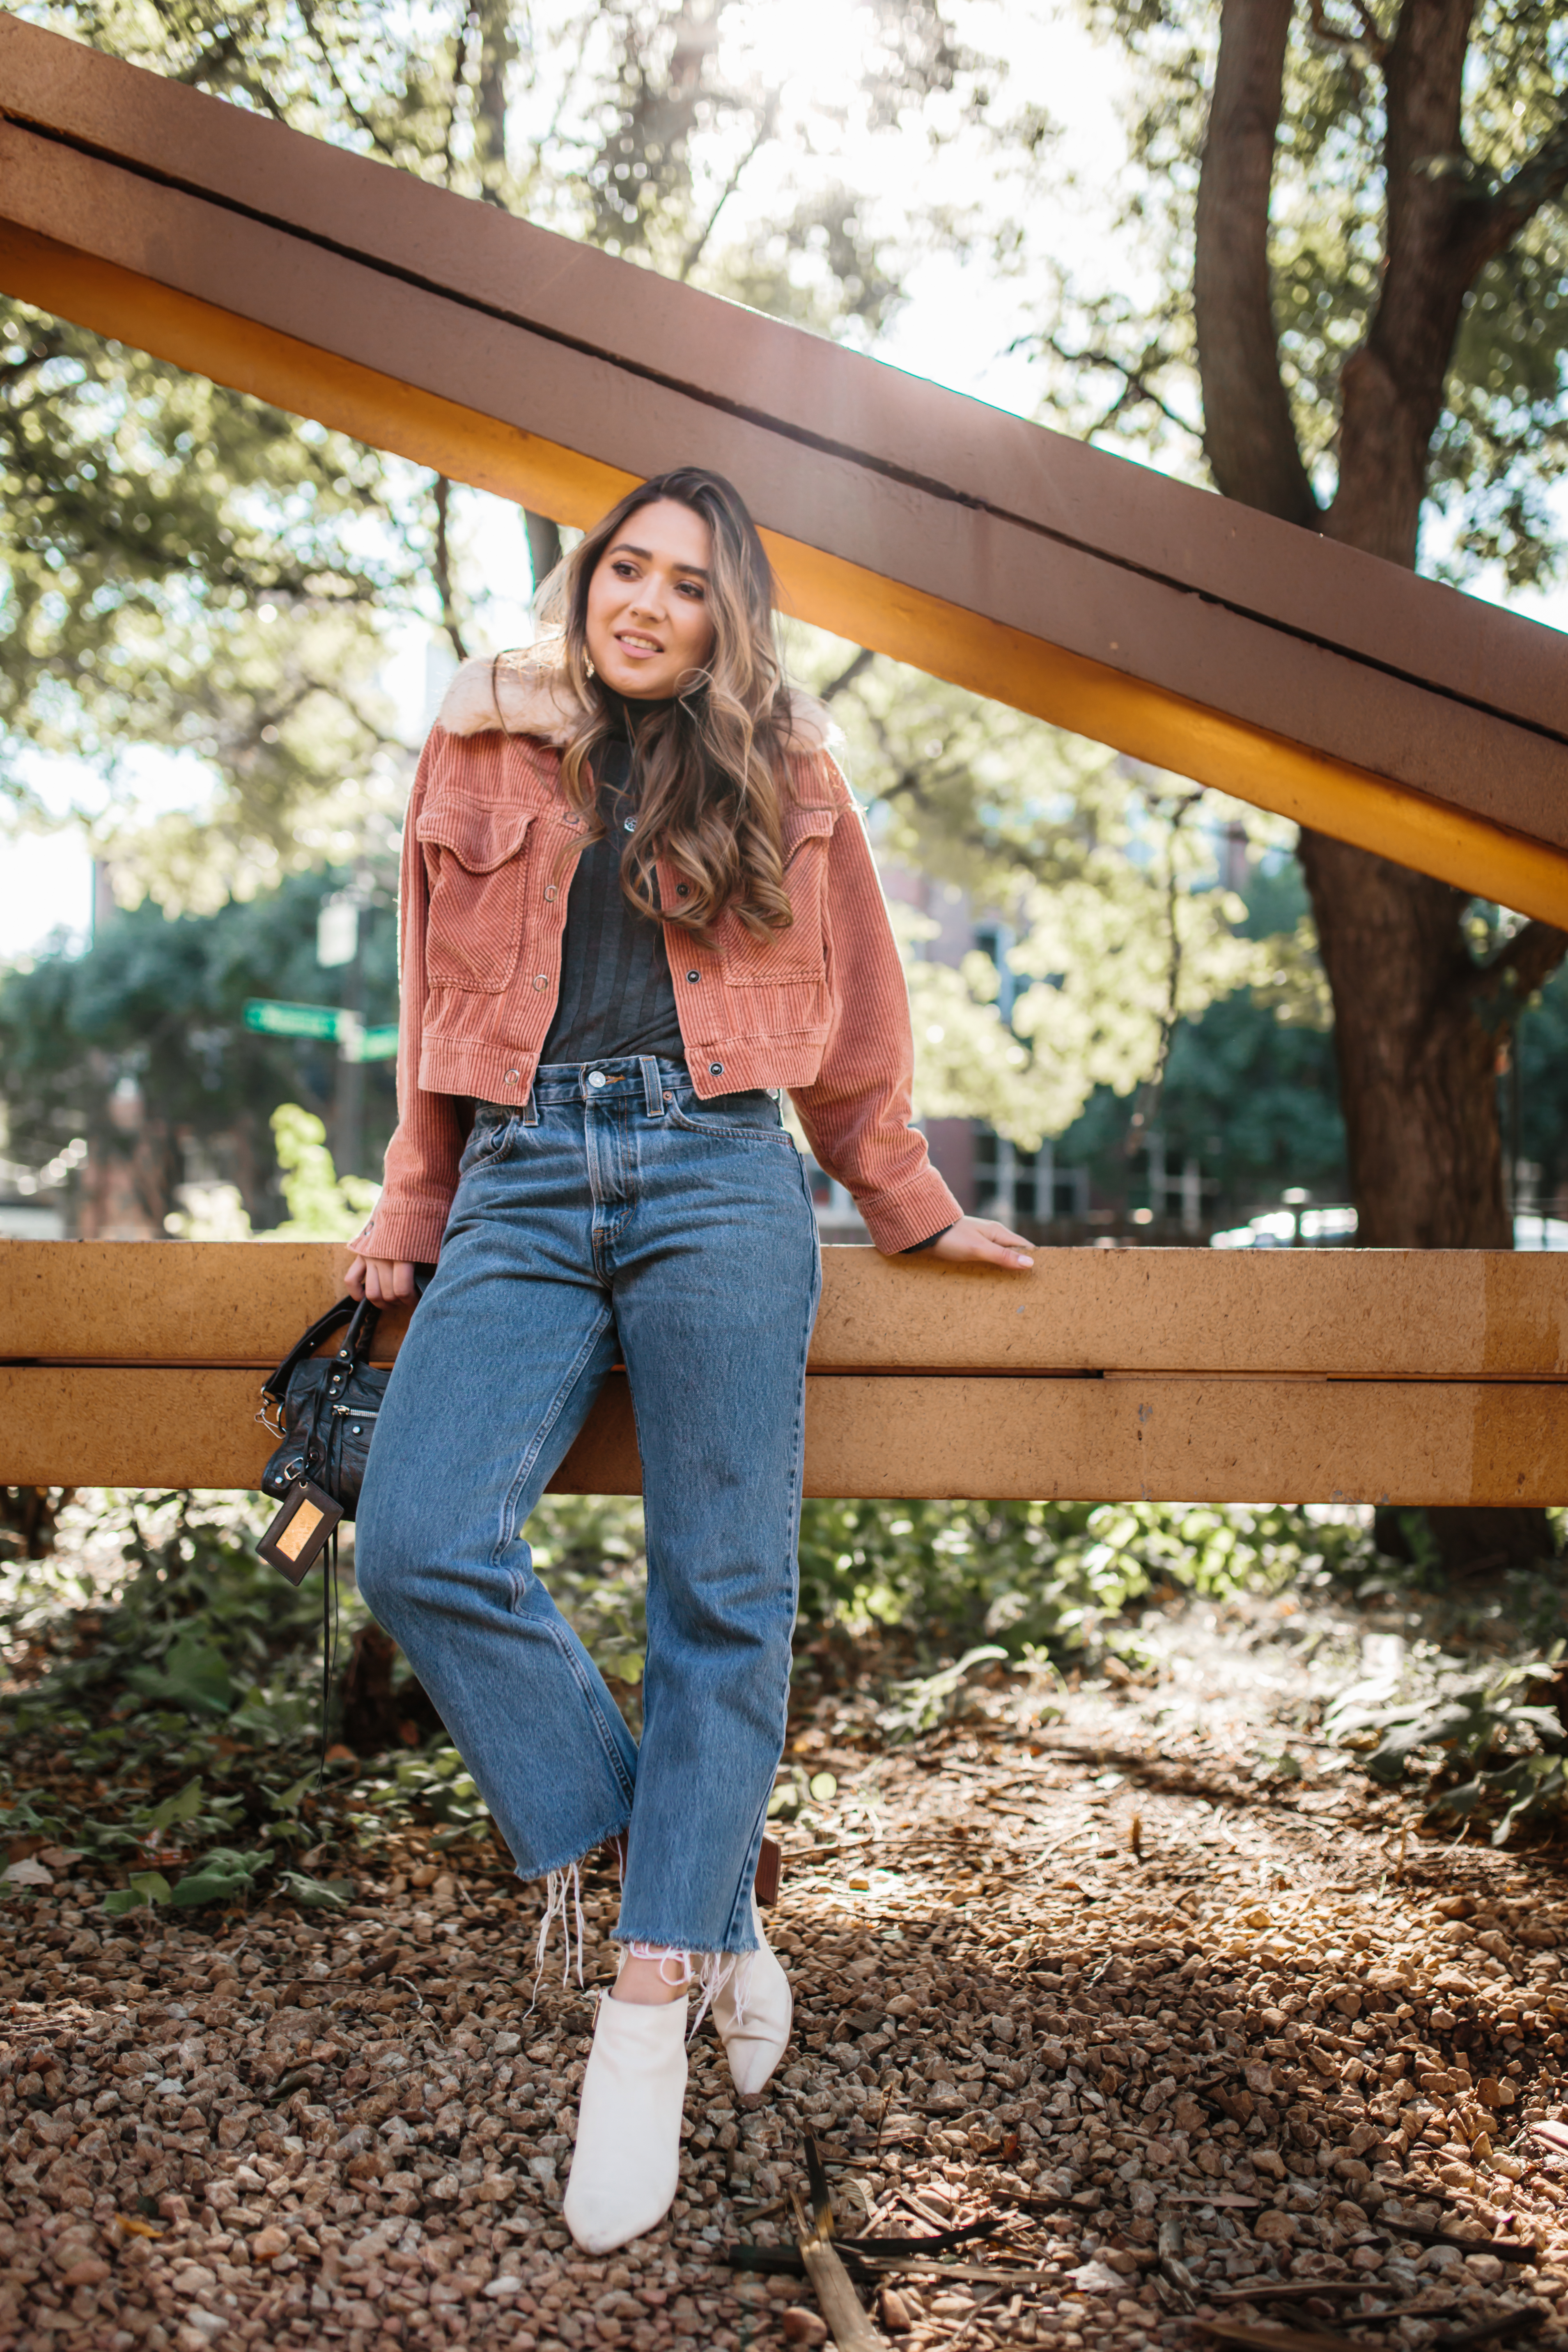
(650, 623)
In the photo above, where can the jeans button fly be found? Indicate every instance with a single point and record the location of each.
(598, 1078)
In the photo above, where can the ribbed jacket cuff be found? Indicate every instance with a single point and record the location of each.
(404, 1230)
(912, 1213)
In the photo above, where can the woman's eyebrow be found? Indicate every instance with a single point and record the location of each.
(625, 547)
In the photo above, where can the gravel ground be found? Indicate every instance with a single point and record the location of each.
(1194, 2016)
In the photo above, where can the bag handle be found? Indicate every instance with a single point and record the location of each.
(362, 1318)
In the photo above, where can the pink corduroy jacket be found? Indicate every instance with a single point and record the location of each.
(488, 849)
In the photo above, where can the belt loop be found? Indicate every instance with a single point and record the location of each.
(652, 1093)
(528, 1114)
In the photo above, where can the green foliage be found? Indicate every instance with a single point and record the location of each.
(153, 1010)
(323, 1205)
(1469, 1718)
(1250, 1089)
(1042, 1579)
(1127, 367)
(1116, 933)
(188, 568)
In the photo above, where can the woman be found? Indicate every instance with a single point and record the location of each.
(637, 905)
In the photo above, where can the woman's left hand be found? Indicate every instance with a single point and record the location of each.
(980, 1240)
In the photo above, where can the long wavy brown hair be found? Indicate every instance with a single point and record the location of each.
(711, 765)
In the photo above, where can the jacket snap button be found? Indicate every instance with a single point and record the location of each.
(683, 890)
(549, 890)
(693, 977)
(541, 979)
(511, 1078)
(715, 1069)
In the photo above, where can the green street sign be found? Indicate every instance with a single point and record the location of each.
(377, 1044)
(277, 1020)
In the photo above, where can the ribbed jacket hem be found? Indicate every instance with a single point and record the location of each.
(462, 1065)
(407, 1231)
(895, 1221)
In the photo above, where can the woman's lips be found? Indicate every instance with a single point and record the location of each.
(638, 648)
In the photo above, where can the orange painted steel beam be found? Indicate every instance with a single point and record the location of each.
(1251, 655)
(1443, 1315)
(1168, 1440)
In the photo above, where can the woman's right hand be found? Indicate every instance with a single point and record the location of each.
(382, 1280)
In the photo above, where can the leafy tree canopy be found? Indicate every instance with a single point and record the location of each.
(1123, 367)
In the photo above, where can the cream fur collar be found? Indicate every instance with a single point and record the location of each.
(514, 695)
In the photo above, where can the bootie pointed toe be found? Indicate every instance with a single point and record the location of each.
(754, 2027)
(625, 2167)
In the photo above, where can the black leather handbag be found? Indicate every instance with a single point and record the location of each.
(326, 1408)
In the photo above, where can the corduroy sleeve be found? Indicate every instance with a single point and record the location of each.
(855, 1112)
(428, 1142)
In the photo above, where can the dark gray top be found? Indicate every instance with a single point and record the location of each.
(616, 995)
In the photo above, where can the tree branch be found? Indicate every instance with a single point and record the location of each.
(698, 244)
(848, 675)
(1525, 962)
(1369, 38)
(1248, 429)
(1136, 386)
(1540, 180)
(441, 568)
(383, 146)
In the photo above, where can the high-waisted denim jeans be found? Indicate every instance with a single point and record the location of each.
(615, 1216)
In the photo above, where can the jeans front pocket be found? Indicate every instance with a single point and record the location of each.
(487, 1142)
(725, 1124)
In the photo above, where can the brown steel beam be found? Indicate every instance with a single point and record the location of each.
(1249, 655)
(1444, 1314)
(1166, 1440)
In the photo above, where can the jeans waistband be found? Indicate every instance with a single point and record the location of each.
(613, 1077)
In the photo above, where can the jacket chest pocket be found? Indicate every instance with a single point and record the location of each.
(476, 860)
(777, 959)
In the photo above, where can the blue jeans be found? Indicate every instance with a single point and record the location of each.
(616, 1215)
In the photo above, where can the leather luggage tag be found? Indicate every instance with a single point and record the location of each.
(297, 1536)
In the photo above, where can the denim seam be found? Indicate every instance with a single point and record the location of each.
(723, 1134)
(508, 1535)
(742, 1904)
(591, 1696)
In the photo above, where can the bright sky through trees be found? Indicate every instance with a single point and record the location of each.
(960, 312)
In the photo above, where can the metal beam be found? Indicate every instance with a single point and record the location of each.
(1193, 634)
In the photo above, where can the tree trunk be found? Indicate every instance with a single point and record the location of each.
(1417, 1023)
(1416, 1056)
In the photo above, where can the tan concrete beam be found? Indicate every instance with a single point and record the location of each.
(1190, 1440)
(1449, 1315)
(1214, 641)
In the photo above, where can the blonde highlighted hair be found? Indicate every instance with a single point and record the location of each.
(712, 764)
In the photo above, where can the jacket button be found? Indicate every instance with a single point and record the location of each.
(511, 1078)
(693, 977)
(715, 1069)
(683, 890)
(549, 890)
(541, 979)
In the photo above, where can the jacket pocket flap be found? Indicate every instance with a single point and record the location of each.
(480, 835)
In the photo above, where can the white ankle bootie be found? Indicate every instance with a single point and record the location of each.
(625, 2167)
(757, 2040)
